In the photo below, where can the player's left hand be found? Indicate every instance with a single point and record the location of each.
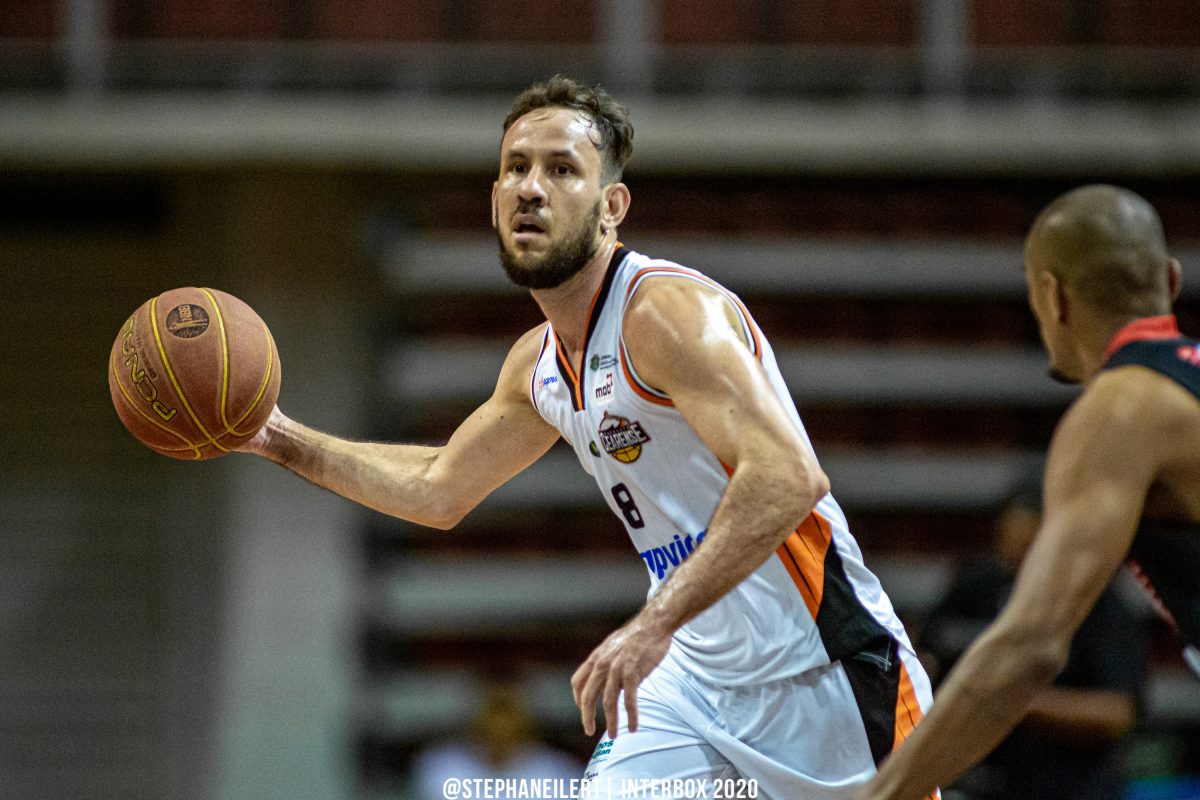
(618, 664)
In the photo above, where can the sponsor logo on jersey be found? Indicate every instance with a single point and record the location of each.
(594, 449)
(660, 559)
(600, 362)
(546, 381)
(621, 438)
(604, 392)
(1189, 353)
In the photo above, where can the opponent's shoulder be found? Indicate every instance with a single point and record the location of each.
(1136, 399)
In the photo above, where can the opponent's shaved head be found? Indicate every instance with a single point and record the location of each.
(1107, 244)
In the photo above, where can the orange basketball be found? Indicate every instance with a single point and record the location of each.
(194, 373)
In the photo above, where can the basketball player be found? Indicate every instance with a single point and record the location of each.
(1122, 475)
(766, 649)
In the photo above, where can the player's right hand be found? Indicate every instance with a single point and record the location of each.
(616, 668)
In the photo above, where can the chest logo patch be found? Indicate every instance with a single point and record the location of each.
(605, 361)
(621, 438)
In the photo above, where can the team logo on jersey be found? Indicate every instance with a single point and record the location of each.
(621, 438)
(603, 392)
(599, 362)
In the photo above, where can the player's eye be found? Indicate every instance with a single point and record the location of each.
(563, 169)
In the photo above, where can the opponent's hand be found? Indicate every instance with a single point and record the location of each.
(260, 443)
(618, 664)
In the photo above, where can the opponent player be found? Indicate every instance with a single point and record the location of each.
(1122, 475)
(766, 650)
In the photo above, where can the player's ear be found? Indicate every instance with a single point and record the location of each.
(616, 205)
(1060, 299)
(1054, 297)
(1174, 278)
(495, 214)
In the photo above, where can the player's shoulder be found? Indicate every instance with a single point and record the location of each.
(661, 292)
(640, 268)
(522, 358)
(1133, 399)
(526, 350)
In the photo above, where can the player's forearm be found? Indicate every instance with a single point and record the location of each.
(987, 693)
(1083, 715)
(390, 478)
(760, 507)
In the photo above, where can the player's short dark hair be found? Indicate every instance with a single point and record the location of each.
(610, 118)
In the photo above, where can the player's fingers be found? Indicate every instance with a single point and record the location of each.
(612, 691)
(579, 679)
(587, 699)
(631, 709)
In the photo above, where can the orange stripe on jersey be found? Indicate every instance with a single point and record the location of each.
(755, 343)
(575, 376)
(803, 555)
(565, 364)
(908, 710)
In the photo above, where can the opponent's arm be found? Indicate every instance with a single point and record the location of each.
(1102, 461)
(686, 340)
(434, 486)
(1082, 715)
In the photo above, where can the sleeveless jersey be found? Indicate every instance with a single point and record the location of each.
(1165, 555)
(811, 603)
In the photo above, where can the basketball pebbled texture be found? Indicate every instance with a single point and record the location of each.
(194, 373)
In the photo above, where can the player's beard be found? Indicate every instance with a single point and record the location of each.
(559, 264)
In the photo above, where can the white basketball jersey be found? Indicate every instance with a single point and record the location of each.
(811, 603)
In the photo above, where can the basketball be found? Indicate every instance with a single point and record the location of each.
(194, 373)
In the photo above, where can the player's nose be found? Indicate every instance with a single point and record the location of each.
(531, 188)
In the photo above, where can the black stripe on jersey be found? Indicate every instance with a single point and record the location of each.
(866, 650)
(845, 625)
(602, 297)
(875, 680)
(577, 399)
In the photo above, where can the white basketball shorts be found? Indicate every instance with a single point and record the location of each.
(814, 736)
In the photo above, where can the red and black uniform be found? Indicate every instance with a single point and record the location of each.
(1166, 553)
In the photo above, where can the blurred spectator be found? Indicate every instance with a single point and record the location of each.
(501, 743)
(1068, 745)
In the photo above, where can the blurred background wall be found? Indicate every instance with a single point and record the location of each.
(862, 173)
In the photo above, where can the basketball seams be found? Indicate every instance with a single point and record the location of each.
(130, 403)
(262, 389)
(231, 427)
(171, 375)
(224, 358)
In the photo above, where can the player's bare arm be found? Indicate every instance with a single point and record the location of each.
(434, 486)
(1110, 448)
(686, 340)
(1083, 715)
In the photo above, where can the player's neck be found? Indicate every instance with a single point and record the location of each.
(567, 306)
(1094, 338)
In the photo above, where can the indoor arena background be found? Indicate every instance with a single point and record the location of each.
(861, 173)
